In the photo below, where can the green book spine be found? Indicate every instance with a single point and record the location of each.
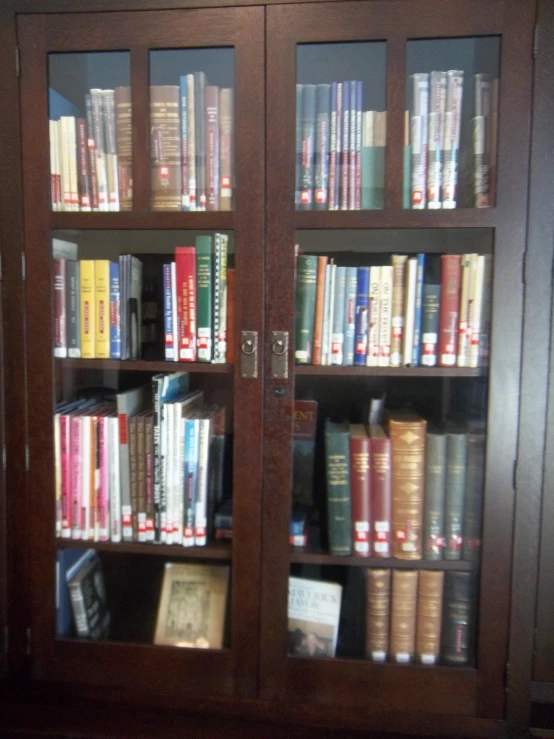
(456, 465)
(406, 185)
(339, 505)
(306, 284)
(475, 484)
(367, 174)
(373, 177)
(435, 481)
(204, 280)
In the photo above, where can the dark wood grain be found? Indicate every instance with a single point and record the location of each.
(322, 558)
(140, 131)
(396, 105)
(213, 221)
(217, 550)
(542, 692)
(144, 366)
(395, 218)
(349, 371)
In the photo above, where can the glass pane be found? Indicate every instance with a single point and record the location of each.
(391, 346)
(340, 126)
(143, 448)
(89, 103)
(450, 145)
(192, 129)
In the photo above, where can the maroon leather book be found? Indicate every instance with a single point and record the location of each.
(360, 487)
(381, 496)
(449, 309)
(212, 147)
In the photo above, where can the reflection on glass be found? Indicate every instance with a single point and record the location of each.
(192, 129)
(450, 136)
(340, 126)
(89, 100)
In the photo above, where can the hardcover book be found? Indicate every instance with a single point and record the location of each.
(337, 466)
(360, 479)
(165, 148)
(88, 600)
(304, 433)
(458, 621)
(435, 486)
(378, 587)
(381, 494)
(313, 617)
(456, 466)
(403, 615)
(429, 616)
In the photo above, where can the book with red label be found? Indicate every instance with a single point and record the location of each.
(450, 307)
(360, 482)
(185, 261)
(380, 486)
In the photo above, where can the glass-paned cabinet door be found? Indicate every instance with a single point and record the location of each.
(146, 529)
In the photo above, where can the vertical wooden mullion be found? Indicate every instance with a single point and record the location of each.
(140, 102)
(396, 105)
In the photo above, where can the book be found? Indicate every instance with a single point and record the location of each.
(361, 321)
(403, 615)
(220, 299)
(385, 308)
(308, 147)
(360, 482)
(129, 403)
(83, 166)
(92, 157)
(191, 132)
(419, 138)
(303, 451)
(169, 329)
(337, 468)
(88, 601)
(407, 434)
(372, 359)
(430, 311)
(102, 308)
(350, 294)
(306, 285)
(458, 620)
(345, 146)
(87, 308)
(68, 563)
(475, 483)
(321, 166)
(124, 146)
(464, 332)
(477, 310)
(337, 328)
(416, 358)
(226, 129)
(481, 138)
(378, 591)
(185, 261)
(399, 263)
(60, 305)
(407, 164)
(381, 491)
(452, 126)
(327, 306)
(204, 289)
(429, 616)
(190, 436)
(456, 465)
(231, 299)
(437, 107)
(73, 308)
(299, 111)
(184, 133)
(313, 617)
(352, 144)
(435, 490)
(191, 610)
(319, 310)
(298, 534)
(449, 309)
(165, 147)
(212, 147)
(115, 312)
(200, 133)
(114, 480)
(334, 147)
(409, 311)
(108, 109)
(99, 148)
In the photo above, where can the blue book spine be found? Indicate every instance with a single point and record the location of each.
(168, 315)
(337, 337)
(362, 309)
(333, 159)
(353, 131)
(338, 173)
(418, 304)
(115, 312)
(345, 156)
(185, 200)
(191, 478)
(350, 314)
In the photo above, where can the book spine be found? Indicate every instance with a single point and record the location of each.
(352, 144)
(75, 475)
(319, 309)
(201, 512)
(191, 108)
(435, 487)
(419, 139)
(323, 102)
(458, 621)
(420, 271)
(403, 615)
(437, 104)
(185, 260)
(449, 310)
(133, 476)
(358, 157)
(378, 587)
(115, 490)
(333, 149)
(174, 314)
(430, 313)
(338, 173)
(86, 467)
(409, 311)
(149, 477)
(345, 151)
(372, 359)
(226, 148)
(306, 285)
(108, 101)
(325, 343)
(464, 336)
(60, 303)
(456, 466)
(200, 128)
(397, 319)
(204, 288)
(350, 315)
(407, 164)
(362, 316)
(475, 485)
(58, 473)
(64, 165)
(308, 147)
(185, 198)
(483, 350)
(381, 495)
(52, 137)
(476, 308)
(165, 147)
(337, 463)
(169, 341)
(99, 149)
(337, 337)
(83, 169)
(385, 295)
(481, 141)
(124, 146)
(231, 333)
(360, 477)
(191, 479)
(94, 480)
(452, 125)
(87, 309)
(157, 456)
(73, 167)
(102, 308)
(220, 295)
(125, 478)
(115, 312)
(141, 479)
(367, 160)
(298, 161)
(103, 514)
(79, 610)
(212, 147)
(429, 616)
(91, 153)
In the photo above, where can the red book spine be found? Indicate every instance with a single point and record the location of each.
(65, 437)
(360, 481)
(449, 309)
(381, 497)
(82, 153)
(212, 147)
(60, 324)
(185, 261)
(76, 475)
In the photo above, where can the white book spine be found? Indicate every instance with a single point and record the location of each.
(177, 521)
(114, 489)
(180, 481)
(163, 467)
(373, 318)
(104, 529)
(201, 514)
(464, 333)
(437, 104)
(66, 177)
(419, 134)
(409, 311)
(71, 124)
(52, 136)
(385, 310)
(453, 117)
(85, 472)
(170, 468)
(477, 310)
(191, 141)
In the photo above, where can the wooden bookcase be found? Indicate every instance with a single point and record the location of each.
(253, 677)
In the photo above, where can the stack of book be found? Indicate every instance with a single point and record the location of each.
(191, 148)
(420, 310)
(147, 467)
(340, 149)
(404, 490)
(90, 157)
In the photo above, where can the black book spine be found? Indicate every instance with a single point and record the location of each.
(475, 484)
(458, 621)
(435, 482)
(72, 311)
(456, 467)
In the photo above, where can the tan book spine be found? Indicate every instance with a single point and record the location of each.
(403, 615)
(429, 616)
(319, 309)
(165, 151)
(226, 148)
(397, 320)
(407, 435)
(464, 336)
(377, 614)
(124, 144)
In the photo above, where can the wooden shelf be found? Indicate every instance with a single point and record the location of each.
(341, 371)
(344, 219)
(321, 558)
(204, 221)
(218, 550)
(145, 366)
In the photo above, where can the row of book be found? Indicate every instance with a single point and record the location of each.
(146, 467)
(404, 490)
(90, 158)
(432, 139)
(340, 148)
(426, 617)
(420, 310)
(192, 145)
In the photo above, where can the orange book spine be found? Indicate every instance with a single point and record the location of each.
(319, 304)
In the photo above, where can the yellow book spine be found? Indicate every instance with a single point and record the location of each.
(102, 308)
(87, 302)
